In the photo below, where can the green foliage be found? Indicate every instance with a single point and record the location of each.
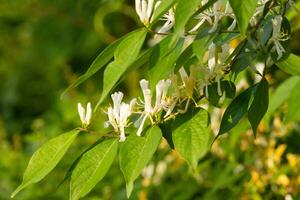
(235, 111)
(290, 65)
(102, 59)
(157, 72)
(182, 15)
(92, 167)
(163, 7)
(243, 10)
(135, 154)
(46, 158)
(191, 135)
(193, 75)
(124, 55)
(259, 105)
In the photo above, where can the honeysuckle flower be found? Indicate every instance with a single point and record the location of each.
(169, 19)
(278, 36)
(216, 65)
(85, 114)
(213, 16)
(160, 101)
(119, 113)
(189, 81)
(144, 9)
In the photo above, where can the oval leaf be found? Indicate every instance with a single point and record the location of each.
(125, 55)
(136, 152)
(92, 167)
(290, 65)
(184, 11)
(163, 7)
(259, 105)
(102, 59)
(46, 158)
(235, 111)
(243, 10)
(165, 65)
(191, 135)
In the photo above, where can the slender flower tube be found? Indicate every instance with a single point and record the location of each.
(118, 114)
(85, 114)
(144, 9)
(160, 102)
(169, 19)
(278, 36)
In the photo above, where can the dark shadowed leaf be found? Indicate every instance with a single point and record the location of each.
(259, 105)
(235, 111)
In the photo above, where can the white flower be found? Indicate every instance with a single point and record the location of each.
(216, 65)
(160, 101)
(119, 113)
(213, 17)
(169, 19)
(85, 114)
(278, 36)
(144, 9)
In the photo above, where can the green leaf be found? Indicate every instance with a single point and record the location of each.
(184, 11)
(92, 167)
(227, 87)
(163, 7)
(202, 42)
(290, 65)
(125, 55)
(293, 104)
(235, 111)
(102, 59)
(259, 105)
(46, 158)
(243, 10)
(191, 135)
(165, 65)
(205, 6)
(282, 93)
(136, 152)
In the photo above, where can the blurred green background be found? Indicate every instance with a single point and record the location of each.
(46, 44)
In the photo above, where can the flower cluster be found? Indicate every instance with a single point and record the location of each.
(278, 36)
(214, 15)
(170, 95)
(172, 98)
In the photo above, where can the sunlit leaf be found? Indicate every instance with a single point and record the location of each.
(163, 7)
(46, 158)
(136, 152)
(92, 167)
(243, 10)
(290, 65)
(191, 135)
(125, 55)
(165, 65)
(102, 59)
